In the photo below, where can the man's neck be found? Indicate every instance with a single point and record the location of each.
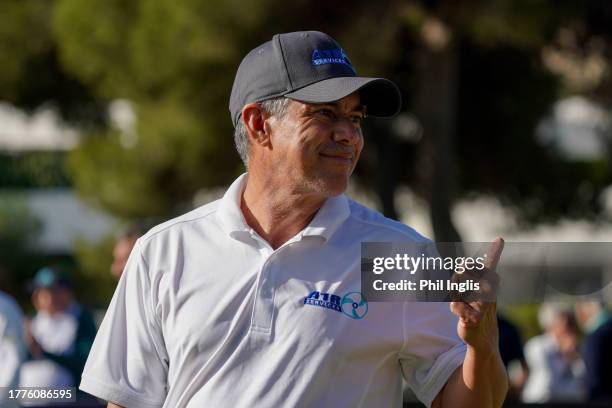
(277, 213)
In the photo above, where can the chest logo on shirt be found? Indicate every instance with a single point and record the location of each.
(353, 304)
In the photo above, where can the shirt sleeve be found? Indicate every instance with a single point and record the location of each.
(128, 362)
(12, 351)
(432, 350)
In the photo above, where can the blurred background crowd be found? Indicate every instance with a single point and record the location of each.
(114, 117)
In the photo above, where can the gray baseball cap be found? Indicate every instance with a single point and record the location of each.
(308, 66)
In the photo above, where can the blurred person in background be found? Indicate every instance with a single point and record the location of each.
(596, 322)
(59, 336)
(12, 347)
(556, 371)
(123, 247)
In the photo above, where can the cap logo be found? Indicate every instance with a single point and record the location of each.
(333, 56)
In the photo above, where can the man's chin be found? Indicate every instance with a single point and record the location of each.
(336, 187)
(327, 184)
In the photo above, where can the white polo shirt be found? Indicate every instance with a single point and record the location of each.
(207, 314)
(12, 347)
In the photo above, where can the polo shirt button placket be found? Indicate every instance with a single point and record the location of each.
(263, 310)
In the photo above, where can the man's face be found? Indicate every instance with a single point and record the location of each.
(48, 300)
(315, 147)
(121, 252)
(585, 311)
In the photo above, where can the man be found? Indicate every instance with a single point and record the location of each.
(594, 318)
(556, 369)
(123, 247)
(12, 348)
(222, 307)
(59, 336)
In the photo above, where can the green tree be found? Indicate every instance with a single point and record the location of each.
(175, 62)
(18, 229)
(471, 72)
(30, 73)
(94, 284)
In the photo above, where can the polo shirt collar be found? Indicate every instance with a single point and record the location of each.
(328, 219)
(230, 214)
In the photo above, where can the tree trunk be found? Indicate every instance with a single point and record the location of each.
(387, 176)
(436, 107)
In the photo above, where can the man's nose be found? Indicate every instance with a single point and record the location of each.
(346, 132)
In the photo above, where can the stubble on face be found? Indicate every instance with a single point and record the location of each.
(316, 146)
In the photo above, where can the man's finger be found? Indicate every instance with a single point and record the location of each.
(494, 253)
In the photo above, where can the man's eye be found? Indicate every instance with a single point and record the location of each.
(357, 119)
(327, 113)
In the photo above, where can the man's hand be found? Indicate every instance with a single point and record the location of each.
(477, 325)
(481, 381)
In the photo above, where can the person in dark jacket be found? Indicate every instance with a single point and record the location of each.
(596, 321)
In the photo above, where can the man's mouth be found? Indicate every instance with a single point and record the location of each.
(344, 157)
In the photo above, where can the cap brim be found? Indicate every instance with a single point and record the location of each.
(379, 95)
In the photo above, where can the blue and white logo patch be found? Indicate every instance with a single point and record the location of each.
(325, 300)
(353, 304)
(333, 56)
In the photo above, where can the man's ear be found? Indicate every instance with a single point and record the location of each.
(254, 118)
